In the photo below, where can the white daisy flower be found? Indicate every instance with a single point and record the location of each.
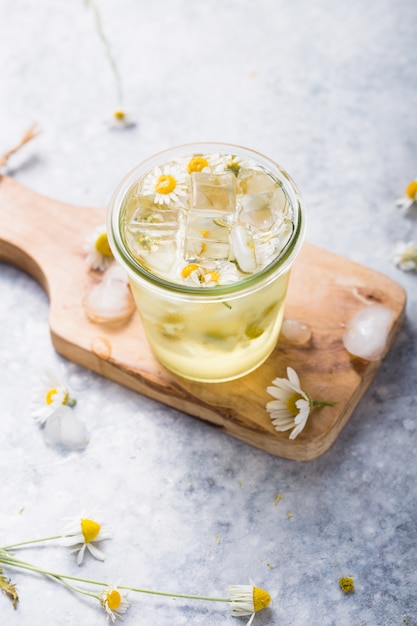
(121, 119)
(202, 162)
(51, 395)
(247, 600)
(82, 533)
(229, 163)
(292, 406)
(410, 197)
(167, 184)
(405, 256)
(114, 602)
(99, 255)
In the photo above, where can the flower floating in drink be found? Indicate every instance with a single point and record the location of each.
(207, 234)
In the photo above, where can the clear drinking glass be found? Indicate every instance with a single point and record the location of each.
(207, 234)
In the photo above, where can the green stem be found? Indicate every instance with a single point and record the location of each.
(26, 543)
(22, 564)
(316, 403)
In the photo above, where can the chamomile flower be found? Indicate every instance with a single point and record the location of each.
(204, 163)
(228, 163)
(114, 602)
(121, 119)
(83, 533)
(247, 600)
(50, 396)
(410, 197)
(209, 275)
(292, 406)
(405, 256)
(99, 255)
(167, 184)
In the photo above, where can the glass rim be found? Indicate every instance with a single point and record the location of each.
(282, 261)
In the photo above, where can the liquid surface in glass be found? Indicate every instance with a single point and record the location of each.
(206, 219)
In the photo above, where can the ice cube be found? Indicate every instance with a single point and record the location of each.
(242, 248)
(257, 209)
(65, 430)
(205, 238)
(152, 235)
(215, 193)
(256, 182)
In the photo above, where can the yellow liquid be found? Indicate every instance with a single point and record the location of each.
(213, 341)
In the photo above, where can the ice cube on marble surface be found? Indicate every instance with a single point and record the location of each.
(65, 430)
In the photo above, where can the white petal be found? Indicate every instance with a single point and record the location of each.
(81, 554)
(97, 554)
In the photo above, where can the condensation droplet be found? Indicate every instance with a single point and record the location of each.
(101, 347)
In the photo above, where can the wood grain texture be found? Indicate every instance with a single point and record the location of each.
(45, 238)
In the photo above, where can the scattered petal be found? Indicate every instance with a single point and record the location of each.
(367, 332)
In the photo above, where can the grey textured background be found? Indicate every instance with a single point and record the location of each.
(328, 89)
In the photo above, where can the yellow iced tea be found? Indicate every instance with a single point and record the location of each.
(207, 234)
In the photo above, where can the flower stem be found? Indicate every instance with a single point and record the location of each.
(26, 543)
(316, 403)
(63, 577)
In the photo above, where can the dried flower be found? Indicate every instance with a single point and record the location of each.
(247, 600)
(114, 602)
(99, 254)
(9, 589)
(82, 533)
(52, 394)
(346, 584)
(292, 406)
(405, 256)
(410, 197)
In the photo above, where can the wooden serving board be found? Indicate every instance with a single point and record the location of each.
(45, 238)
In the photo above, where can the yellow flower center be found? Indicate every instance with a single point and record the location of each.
(50, 395)
(188, 269)
(102, 245)
(113, 599)
(411, 190)
(261, 599)
(119, 115)
(197, 164)
(291, 406)
(214, 276)
(89, 529)
(165, 184)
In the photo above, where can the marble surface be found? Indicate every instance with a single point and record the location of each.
(328, 89)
